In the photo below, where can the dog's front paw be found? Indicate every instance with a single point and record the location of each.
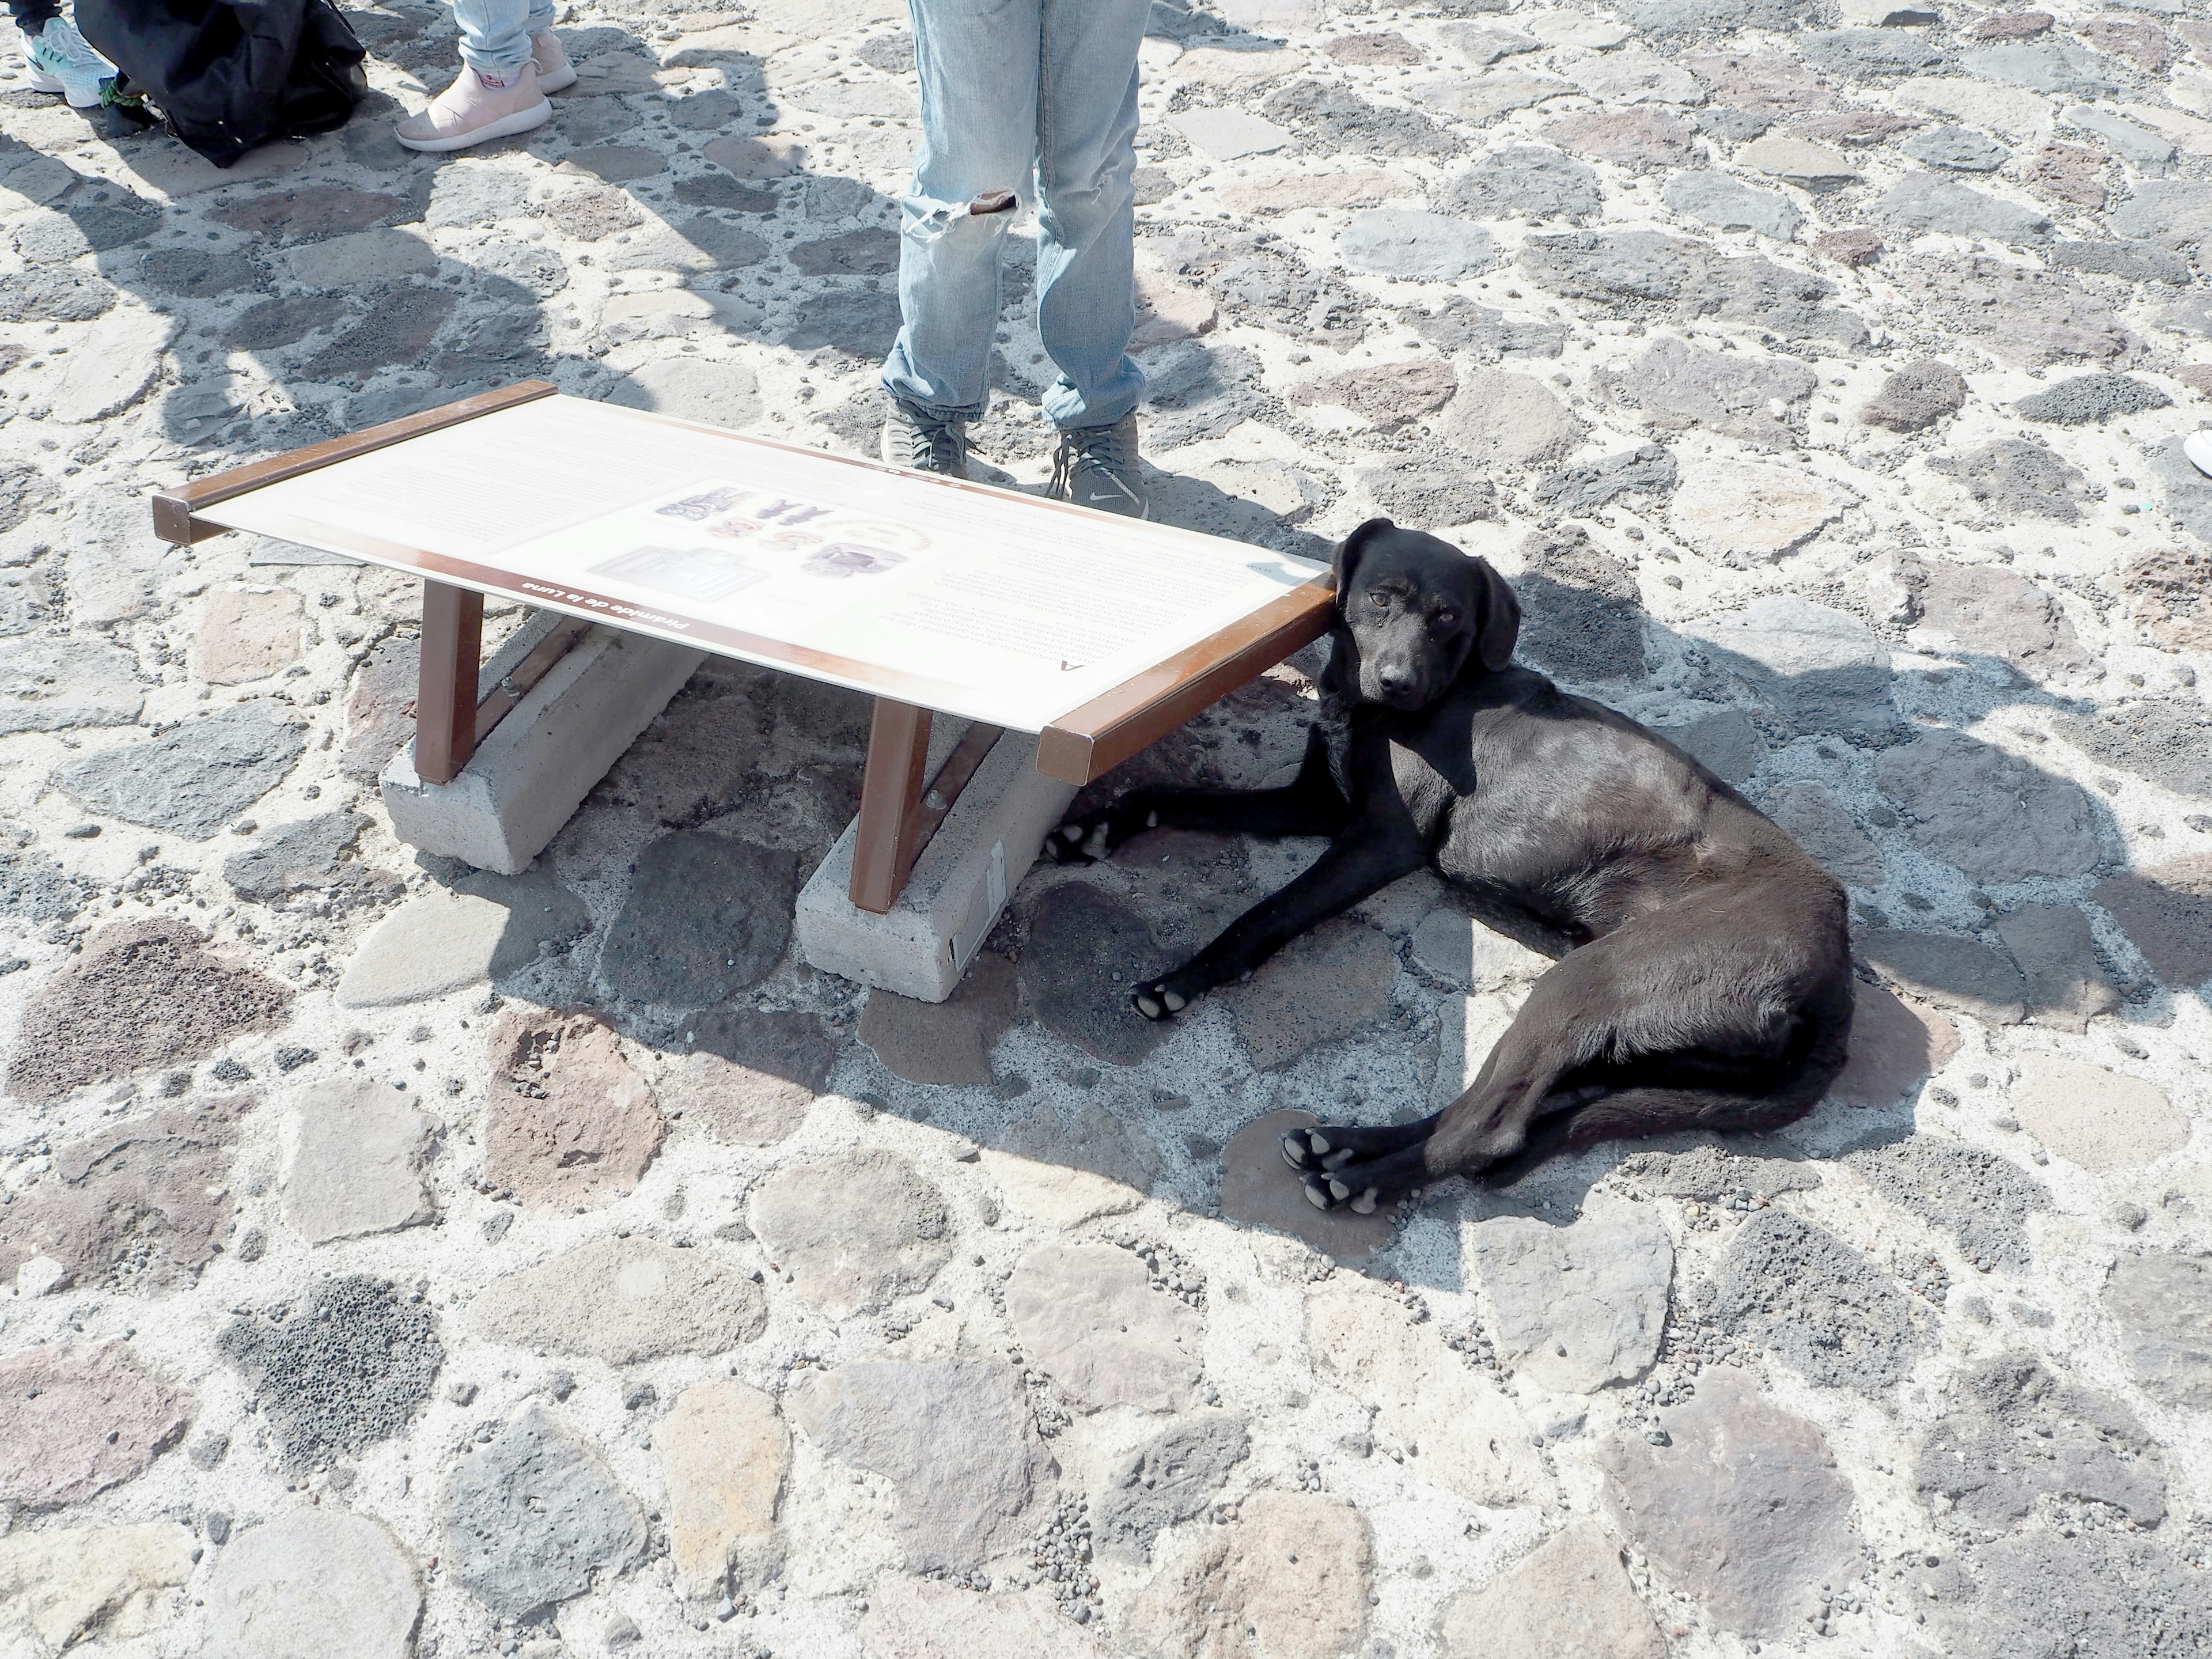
(1160, 1000)
(1081, 841)
(1335, 1192)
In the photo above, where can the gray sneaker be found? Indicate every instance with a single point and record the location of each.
(1096, 466)
(914, 438)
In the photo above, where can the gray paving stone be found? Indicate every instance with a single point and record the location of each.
(536, 1518)
(140, 994)
(1976, 1196)
(948, 1041)
(2020, 1435)
(1577, 1307)
(61, 685)
(79, 1420)
(1951, 972)
(2093, 397)
(707, 916)
(1992, 610)
(1424, 246)
(310, 861)
(1676, 386)
(692, 389)
(1830, 1314)
(752, 1076)
(953, 1437)
(1962, 150)
(1820, 668)
(1581, 609)
(1637, 140)
(1742, 1509)
(2067, 984)
(2165, 910)
(2056, 67)
(1234, 1591)
(1324, 986)
(1927, 201)
(853, 1232)
(54, 294)
(724, 1454)
(1167, 1480)
(2162, 1303)
(1507, 420)
(1085, 951)
(2092, 1592)
(1259, 1189)
(357, 1162)
(1871, 54)
(1994, 815)
(486, 926)
(338, 1374)
(1917, 395)
(1087, 1315)
(2098, 1119)
(195, 779)
(624, 1300)
(1567, 1597)
(1579, 490)
(1727, 745)
(1726, 203)
(1820, 823)
(314, 1581)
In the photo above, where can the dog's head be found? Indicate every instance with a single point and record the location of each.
(1413, 613)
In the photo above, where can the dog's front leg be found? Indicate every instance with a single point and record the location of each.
(1311, 805)
(1363, 860)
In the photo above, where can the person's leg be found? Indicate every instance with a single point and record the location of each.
(1086, 207)
(976, 61)
(32, 15)
(495, 35)
(554, 72)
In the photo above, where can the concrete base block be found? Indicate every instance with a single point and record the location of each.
(923, 945)
(532, 773)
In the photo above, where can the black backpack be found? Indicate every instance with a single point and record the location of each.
(229, 78)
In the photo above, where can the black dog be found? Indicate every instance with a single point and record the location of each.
(1704, 979)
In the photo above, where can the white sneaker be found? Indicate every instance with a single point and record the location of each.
(2197, 449)
(554, 72)
(476, 110)
(62, 62)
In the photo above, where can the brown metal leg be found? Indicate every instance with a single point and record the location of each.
(890, 804)
(446, 697)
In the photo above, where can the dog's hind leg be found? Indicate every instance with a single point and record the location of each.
(1311, 805)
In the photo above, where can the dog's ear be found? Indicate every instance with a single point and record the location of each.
(1347, 558)
(1501, 617)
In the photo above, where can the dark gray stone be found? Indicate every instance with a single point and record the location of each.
(1741, 1508)
(2176, 212)
(2188, 492)
(2162, 1303)
(2022, 1436)
(1085, 951)
(346, 1369)
(2097, 1595)
(1676, 386)
(1638, 272)
(2166, 913)
(1167, 1480)
(194, 779)
(1708, 1173)
(51, 238)
(1927, 201)
(707, 916)
(1583, 487)
(34, 889)
(1826, 1310)
(2056, 68)
(860, 322)
(1951, 972)
(1732, 126)
(1988, 812)
(1430, 498)
(1334, 120)
(856, 253)
(1960, 148)
(1976, 1196)
(1581, 611)
(312, 859)
(1684, 19)
(955, 1440)
(400, 324)
(1727, 745)
(1871, 54)
(2017, 479)
(54, 294)
(705, 112)
(1991, 607)
(1916, 396)
(2093, 397)
(1817, 667)
(2067, 984)
(275, 323)
(1421, 246)
(1531, 181)
(529, 265)
(537, 1517)
(1460, 324)
(49, 685)
(2133, 262)
(731, 246)
(1726, 203)
(719, 190)
(198, 273)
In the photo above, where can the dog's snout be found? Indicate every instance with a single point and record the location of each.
(1395, 678)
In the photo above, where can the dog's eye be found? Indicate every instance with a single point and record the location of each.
(1447, 618)
(1380, 601)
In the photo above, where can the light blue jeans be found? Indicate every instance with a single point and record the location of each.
(1038, 97)
(495, 33)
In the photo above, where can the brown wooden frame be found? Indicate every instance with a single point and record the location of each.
(902, 804)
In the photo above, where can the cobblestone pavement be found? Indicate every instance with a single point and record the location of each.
(410, 1259)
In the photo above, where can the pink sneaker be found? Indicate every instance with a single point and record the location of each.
(554, 72)
(475, 110)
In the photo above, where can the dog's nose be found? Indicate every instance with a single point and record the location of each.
(1394, 678)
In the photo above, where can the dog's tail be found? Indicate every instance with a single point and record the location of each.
(1590, 1113)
